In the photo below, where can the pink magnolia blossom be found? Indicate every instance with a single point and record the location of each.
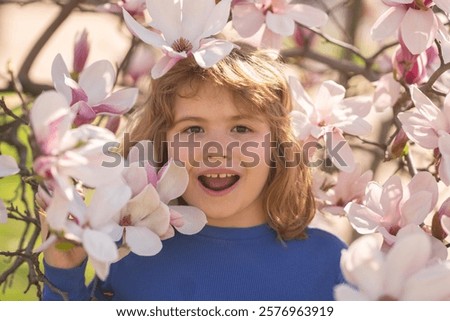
(92, 94)
(411, 68)
(400, 274)
(8, 166)
(329, 117)
(67, 154)
(429, 127)
(277, 17)
(80, 51)
(147, 217)
(183, 29)
(415, 21)
(141, 62)
(389, 207)
(334, 195)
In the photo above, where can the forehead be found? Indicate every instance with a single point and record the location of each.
(202, 99)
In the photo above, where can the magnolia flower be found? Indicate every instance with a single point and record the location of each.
(401, 274)
(92, 94)
(147, 217)
(411, 68)
(67, 154)
(182, 29)
(334, 195)
(415, 20)
(389, 207)
(329, 116)
(429, 127)
(8, 166)
(277, 16)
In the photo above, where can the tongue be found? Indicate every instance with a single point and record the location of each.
(218, 184)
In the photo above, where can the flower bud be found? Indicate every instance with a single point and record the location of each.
(436, 226)
(80, 51)
(398, 146)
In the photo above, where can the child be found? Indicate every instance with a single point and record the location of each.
(230, 126)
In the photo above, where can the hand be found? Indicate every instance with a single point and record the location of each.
(58, 258)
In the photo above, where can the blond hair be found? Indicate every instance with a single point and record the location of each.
(256, 79)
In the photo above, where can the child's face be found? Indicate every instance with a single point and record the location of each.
(226, 154)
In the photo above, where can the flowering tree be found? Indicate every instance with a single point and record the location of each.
(378, 119)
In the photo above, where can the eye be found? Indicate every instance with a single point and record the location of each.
(193, 130)
(241, 129)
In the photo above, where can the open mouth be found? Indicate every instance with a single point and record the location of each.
(218, 182)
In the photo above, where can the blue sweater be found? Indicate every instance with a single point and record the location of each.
(217, 264)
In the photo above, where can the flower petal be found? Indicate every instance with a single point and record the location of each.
(211, 51)
(280, 24)
(388, 23)
(424, 181)
(418, 129)
(307, 15)
(99, 246)
(173, 182)
(101, 268)
(418, 30)
(443, 4)
(147, 36)
(158, 220)
(8, 166)
(444, 166)
(344, 292)
(163, 65)
(59, 73)
(143, 241)
(166, 17)
(97, 80)
(142, 205)
(416, 208)
(428, 109)
(247, 19)
(118, 103)
(363, 219)
(217, 18)
(193, 219)
(136, 177)
(339, 151)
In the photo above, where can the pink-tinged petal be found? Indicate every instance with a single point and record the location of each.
(362, 218)
(99, 246)
(300, 125)
(193, 20)
(391, 197)
(118, 103)
(386, 93)
(388, 23)
(301, 96)
(416, 208)
(193, 219)
(397, 2)
(50, 108)
(80, 51)
(142, 205)
(173, 182)
(307, 15)
(329, 95)
(418, 129)
(428, 109)
(443, 4)
(401, 262)
(107, 203)
(78, 94)
(158, 221)
(358, 105)
(418, 30)
(280, 24)
(444, 166)
(136, 177)
(354, 125)
(84, 113)
(212, 51)
(3, 213)
(271, 39)
(59, 73)
(163, 65)
(166, 17)
(339, 151)
(8, 166)
(429, 284)
(217, 18)
(424, 181)
(147, 36)
(143, 241)
(97, 81)
(168, 234)
(344, 292)
(373, 196)
(247, 19)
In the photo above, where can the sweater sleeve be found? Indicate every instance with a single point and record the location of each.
(70, 281)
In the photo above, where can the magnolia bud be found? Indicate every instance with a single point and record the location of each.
(80, 51)
(398, 146)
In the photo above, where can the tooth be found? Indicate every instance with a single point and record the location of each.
(222, 175)
(230, 175)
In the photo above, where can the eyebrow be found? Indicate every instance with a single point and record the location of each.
(232, 118)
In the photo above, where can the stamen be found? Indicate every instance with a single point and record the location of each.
(181, 45)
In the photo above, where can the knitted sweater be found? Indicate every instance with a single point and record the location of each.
(217, 264)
